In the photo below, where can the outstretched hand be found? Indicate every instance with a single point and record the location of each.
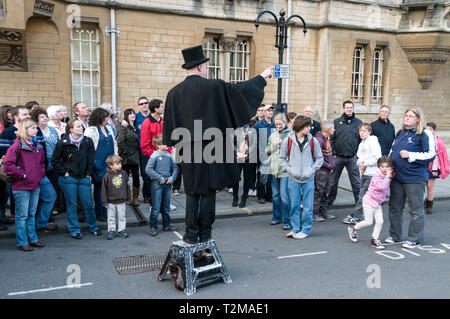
(267, 73)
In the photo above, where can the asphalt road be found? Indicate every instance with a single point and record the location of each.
(262, 262)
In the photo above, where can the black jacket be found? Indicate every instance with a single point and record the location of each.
(218, 105)
(345, 139)
(68, 158)
(315, 127)
(385, 132)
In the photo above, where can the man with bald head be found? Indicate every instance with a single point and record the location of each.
(315, 126)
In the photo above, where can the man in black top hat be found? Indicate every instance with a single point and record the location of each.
(215, 104)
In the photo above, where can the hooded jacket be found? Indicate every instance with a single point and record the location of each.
(274, 152)
(369, 151)
(30, 168)
(115, 188)
(300, 165)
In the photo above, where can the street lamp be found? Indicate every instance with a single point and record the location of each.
(281, 41)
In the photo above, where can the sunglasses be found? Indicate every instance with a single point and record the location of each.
(143, 103)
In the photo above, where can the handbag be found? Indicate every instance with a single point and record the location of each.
(5, 177)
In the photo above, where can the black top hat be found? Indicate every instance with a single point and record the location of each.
(193, 56)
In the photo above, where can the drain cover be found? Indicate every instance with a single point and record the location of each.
(138, 264)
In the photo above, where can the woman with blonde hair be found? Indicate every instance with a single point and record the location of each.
(412, 150)
(25, 162)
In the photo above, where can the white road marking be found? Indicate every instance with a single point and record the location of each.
(178, 235)
(302, 255)
(48, 289)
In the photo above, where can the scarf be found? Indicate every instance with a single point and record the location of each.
(76, 142)
(347, 118)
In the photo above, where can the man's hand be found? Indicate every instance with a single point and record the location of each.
(267, 73)
(169, 181)
(124, 123)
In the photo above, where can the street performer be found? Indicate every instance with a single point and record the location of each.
(215, 104)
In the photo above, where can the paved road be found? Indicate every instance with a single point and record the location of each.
(328, 265)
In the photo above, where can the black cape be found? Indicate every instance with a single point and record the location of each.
(217, 104)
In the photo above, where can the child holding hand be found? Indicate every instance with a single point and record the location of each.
(372, 201)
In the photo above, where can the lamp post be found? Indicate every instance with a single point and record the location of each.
(282, 25)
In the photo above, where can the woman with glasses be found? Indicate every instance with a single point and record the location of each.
(412, 150)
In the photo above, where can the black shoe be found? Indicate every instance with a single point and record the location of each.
(122, 234)
(26, 248)
(77, 236)
(96, 232)
(37, 244)
(101, 218)
(243, 202)
(189, 241)
(235, 201)
(3, 227)
(10, 221)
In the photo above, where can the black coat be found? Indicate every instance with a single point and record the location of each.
(68, 158)
(345, 140)
(128, 144)
(217, 104)
(315, 127)
(385, 132)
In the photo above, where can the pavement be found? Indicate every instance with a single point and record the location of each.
(344, 200)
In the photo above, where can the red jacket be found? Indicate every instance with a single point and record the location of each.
(31, 165)
(149, 129)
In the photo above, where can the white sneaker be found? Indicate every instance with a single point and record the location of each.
(389, 240)
(410, 245)
(290, 234)
(352, 233)
(299, 235)
(172, 207)
(252, 193)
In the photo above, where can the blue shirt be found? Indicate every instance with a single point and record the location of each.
(139, 120)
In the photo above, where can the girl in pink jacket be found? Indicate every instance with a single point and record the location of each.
(438, 168)
(372, 201)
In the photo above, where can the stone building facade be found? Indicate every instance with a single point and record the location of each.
(390, 52)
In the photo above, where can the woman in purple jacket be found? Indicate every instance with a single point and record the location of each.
(25, 162)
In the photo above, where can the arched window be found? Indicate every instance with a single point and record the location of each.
(85, 55)
(376, 86)
(357, 93)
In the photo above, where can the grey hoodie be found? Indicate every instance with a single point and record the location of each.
(300, 165)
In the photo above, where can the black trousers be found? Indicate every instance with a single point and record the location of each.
(134, 172)
(200, 215)
(177, 183)
(249, 176)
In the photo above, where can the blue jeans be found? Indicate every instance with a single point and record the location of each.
(160, 203)
(301, 221)
(26, 205)
(100, 210)
(281, 204)
(72, 187)
(47, 196)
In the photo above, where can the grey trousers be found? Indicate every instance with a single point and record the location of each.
(365, 183)
(413, 193)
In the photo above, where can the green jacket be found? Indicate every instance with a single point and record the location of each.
(274, 151)
(129, 148)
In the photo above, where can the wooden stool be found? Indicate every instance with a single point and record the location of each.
(183, 253)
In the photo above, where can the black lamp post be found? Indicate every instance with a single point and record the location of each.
(281, 41)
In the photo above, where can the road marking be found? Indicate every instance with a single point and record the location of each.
(302, 255)
(411, 252)
(48, 289)
(178, 235)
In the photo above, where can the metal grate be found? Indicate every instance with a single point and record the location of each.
(138, 264)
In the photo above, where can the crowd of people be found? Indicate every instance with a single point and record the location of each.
(82, 166)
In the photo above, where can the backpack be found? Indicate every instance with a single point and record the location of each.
(311, 142)
(5, 177)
